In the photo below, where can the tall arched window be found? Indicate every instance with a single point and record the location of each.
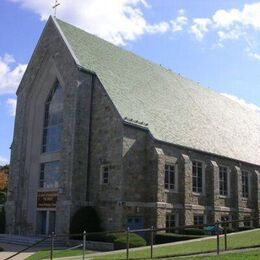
(53, 120)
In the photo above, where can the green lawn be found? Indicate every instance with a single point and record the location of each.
(56, 254)
(235, 256)
(244, 239)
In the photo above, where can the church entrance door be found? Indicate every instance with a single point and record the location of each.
(135, 223)
(46, 222)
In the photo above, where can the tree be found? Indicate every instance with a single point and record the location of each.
(85, 219)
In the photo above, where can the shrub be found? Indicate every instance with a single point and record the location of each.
(230, 230)
(193, 231)
(2, 197)
(162, 238)
(85, 219)
(118, 239)
(134, 240)
(244, 228)
(2, 221)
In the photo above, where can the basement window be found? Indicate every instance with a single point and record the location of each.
(248, 221)
(198, 219)
(171, 221)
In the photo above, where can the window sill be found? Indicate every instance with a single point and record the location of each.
(47, 189)
(170, 191)
(198, 194)
(223, 196)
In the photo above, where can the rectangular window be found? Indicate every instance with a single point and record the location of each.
(223, 181)
(198, 219)
(247, 221)
(197, 177)
(49, 175)
(245, 184)
(105, 172)
(170, 221)
(169, 177)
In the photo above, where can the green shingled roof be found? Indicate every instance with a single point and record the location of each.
(177, 110)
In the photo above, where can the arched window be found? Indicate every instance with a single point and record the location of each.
(53, 120)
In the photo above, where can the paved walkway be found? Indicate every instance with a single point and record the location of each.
(10, 249)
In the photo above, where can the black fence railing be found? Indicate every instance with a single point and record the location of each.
(217, 230)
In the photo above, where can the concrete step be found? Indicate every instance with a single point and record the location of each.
(29, 240)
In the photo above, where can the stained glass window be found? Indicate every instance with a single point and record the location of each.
(53, 120)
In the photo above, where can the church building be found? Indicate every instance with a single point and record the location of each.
(98, 126)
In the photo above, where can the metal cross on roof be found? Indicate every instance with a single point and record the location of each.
(56, 4)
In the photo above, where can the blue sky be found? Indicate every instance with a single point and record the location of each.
(212, 42)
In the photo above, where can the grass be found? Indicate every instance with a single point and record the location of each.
(245, 239)
(240, 240)
(255, 254)
(44, 254)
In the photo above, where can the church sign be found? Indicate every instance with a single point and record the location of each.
(47, 199)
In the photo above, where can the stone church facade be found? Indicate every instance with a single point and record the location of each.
(88, 132)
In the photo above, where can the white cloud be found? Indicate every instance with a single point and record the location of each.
(161, 27)
(242, 102)
(233, 34)
(223, 18)
(3, 161)
(242, 19)
(180, 22)
(199, 27)
(11, 103)
(253, 54)
(117, 21)
(232, 24)
(10, 75)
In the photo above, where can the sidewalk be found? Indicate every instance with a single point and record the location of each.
(10, 249)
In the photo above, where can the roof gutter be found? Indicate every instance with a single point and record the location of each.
(83, 69)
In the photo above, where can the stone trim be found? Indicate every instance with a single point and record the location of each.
(238, 186)
(65, 40)
(224, 209)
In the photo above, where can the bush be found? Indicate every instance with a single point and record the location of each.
(134, 240)
(2, 221)
(230, 230)
(2, 197)
(193, 231)
(85, 219)
(163, 238)
(244, 228)
(118, 239)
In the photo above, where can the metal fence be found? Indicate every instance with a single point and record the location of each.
(77, 244)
